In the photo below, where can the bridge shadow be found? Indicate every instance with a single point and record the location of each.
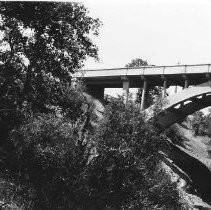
(199, 175)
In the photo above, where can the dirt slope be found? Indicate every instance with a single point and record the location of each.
(198, 149)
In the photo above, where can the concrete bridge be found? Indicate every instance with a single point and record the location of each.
(196, 94)
(195, 80)
(180, 105)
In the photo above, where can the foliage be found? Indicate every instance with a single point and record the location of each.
(48, 143)
(68, 166)
(208, 123)
(175, 134)
(126, 173)
(13, 194)
(40, 148)
(199, 123)
(152, 92)
(52, 154)
(137, 62)
(42, 44)
(57, 34)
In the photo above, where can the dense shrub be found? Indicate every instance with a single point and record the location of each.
(68, 166)
(127, 174)
(198, 123)
(51, 153)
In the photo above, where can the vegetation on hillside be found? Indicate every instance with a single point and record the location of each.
(128, 166)
(201, 123)
(53, 154)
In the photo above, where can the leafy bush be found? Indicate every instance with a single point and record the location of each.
(117, 166)
(198, 123)
(52, 157)
(126, 173)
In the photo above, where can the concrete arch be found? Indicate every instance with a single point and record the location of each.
(182, 104)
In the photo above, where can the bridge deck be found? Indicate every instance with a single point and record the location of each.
(112, 78)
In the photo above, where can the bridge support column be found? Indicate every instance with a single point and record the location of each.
(126, 88)
(143, 97)
(186, 84)
(175, 90)
(208, 76)
(164, 88)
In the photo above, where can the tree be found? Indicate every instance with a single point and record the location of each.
(42, 45)
(152, 91)
(136, 63)
(45, 44)
(201, 123)
(208, 123)
(198, 123)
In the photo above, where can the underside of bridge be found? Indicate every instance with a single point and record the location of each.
(177, 106)
(137, 81)
(144, 77)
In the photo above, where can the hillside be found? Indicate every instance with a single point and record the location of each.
(196, 162)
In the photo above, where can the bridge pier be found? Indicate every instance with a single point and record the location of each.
(164, 88)
(186, 82)
(208, 76)
(144, 90)
(175, 90)
(126, 88)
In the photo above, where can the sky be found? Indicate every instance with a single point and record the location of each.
(162, 32)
